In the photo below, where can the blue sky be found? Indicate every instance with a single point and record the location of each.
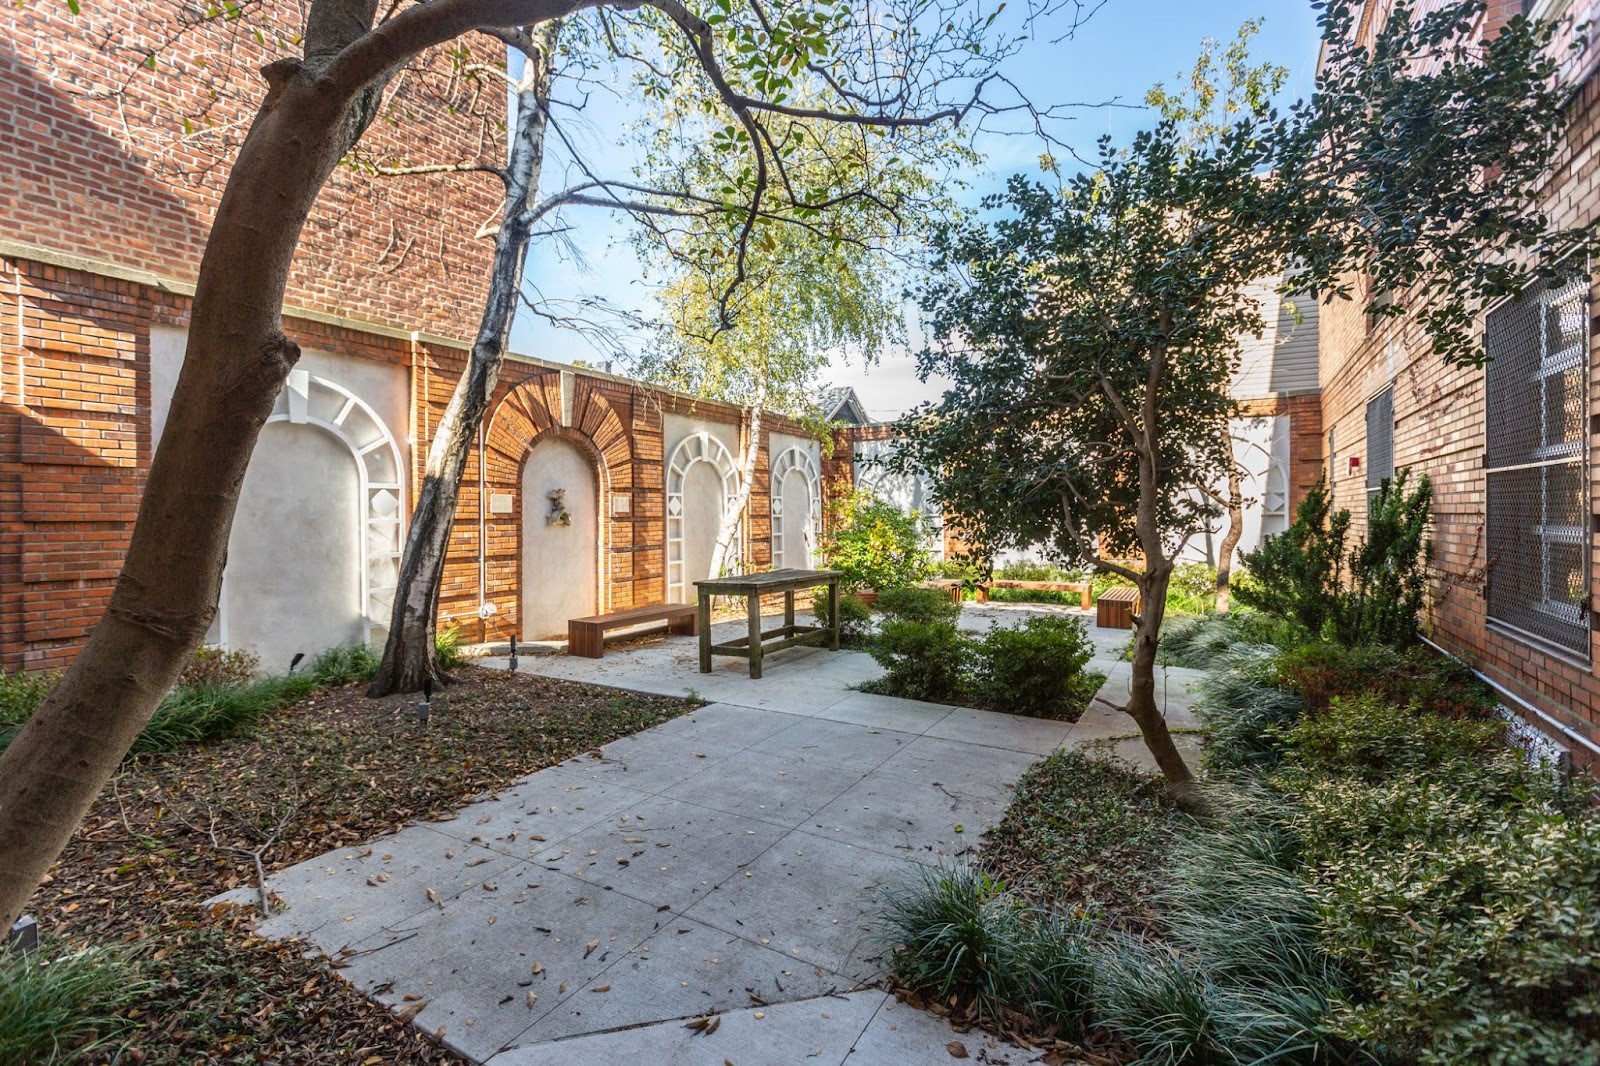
(1125, 48)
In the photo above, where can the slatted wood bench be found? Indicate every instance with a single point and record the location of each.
(950, 586)
(1116, 607)
(587, 636)
(1082, 588)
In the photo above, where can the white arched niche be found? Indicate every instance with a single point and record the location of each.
(702, 486)
(796, 508)
(314, 556)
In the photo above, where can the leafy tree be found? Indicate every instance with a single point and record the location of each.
(815, 284)
(905, 61)
(873, 544)
(1089, 330)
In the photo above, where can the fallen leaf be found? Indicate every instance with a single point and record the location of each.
(601, 988)
(588, 948)
(538, 968)
(407, 1016)
(533, 997)
(957, 1049)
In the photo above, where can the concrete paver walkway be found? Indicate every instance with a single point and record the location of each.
(729, 861)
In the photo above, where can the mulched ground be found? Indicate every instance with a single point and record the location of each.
(174, 830)
(1086, 832)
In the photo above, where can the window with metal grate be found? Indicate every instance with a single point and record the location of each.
(1536, 397)
(1380, 440)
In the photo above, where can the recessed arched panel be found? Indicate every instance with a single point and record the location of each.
(796, 509)
(560, 538)
(694, 504)
(314, 555)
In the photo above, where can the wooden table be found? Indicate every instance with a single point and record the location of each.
(758, 643)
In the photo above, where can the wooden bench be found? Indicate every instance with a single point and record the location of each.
(951, 586)
(587, 636)
(1116, 607)
(1082, 588)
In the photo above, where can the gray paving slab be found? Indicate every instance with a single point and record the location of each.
(819, 1031)
(665, 852)
(1037, 736)
(812, 898)
(471, 961)
(842, 744)
(740, 849)
(685, 970)
(913, 817)
(775, 788)
(904, 1036)
(345, 896)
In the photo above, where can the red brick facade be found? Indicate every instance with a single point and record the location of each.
(1439, 414)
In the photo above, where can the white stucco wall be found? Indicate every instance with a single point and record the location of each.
(676, 427)
(1261, 448)
(702, 494)
(560, 579)
(295, 557)
(293, 581)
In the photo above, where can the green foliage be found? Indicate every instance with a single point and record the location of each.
(1243, 706)
(1456, 884)
(1195, 642)
(1035, 668)
(1318, 673)
(345, 665)
(1296, 574)
(914, 604)
(20, 693)
(67, 1008)
(873, 544)
(1192, 589)
(211, 665)
(961, 937)
(1389, 571)
(447, 648)
(1369, 593)
(1372, 740)
(855, 616)
(922, 660)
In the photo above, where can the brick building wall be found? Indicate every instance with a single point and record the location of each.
(1439, 425)
(109, 159)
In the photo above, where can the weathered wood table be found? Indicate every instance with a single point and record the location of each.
(753, 587)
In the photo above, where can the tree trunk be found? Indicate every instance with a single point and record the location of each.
(1230, 542)
(236, 361)
(1153, 584)
(409, 656)
(734, 511)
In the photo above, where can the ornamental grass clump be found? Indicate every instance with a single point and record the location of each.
(65, 1008)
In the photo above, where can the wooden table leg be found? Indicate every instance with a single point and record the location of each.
(833, 615)
(788, 608)
(703, 620)
(753, 610)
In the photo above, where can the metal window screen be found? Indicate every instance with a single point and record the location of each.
(1380, 439)
(1535, 435)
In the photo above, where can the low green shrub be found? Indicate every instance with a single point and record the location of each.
(874, 544)
(211, 665)
(347, 665)
(1244, 708)
(1195, 641)
(65, 1008)
(200, 713)
(956, 935)
(1371, 739)
(20, 693)
(1036, 668)
(1320, 672)
(1366, 593)
(962, 938)
(922, 660)
(915, 604)
(447, 647)
(855, 616)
